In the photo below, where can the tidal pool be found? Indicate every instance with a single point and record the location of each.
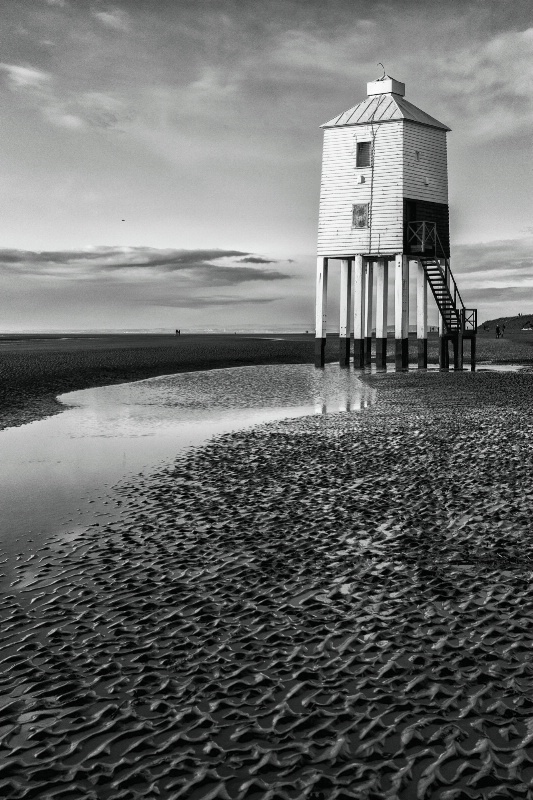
(56, 473)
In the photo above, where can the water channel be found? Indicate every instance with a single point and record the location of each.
(56, 474)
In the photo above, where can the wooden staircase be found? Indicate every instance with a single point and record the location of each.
(458, 322)
(439, 279)
(423, 240)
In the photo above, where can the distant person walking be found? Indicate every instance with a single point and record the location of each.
(503, 328)
(497, 331)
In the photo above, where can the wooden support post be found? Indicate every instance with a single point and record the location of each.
(345, 316)
(359, 313)
(458, 351)
(473, 353)
(444, 361)
(369, 294)
(422, 316)
(401, 310)
(444, 353)
(321, 310)
(382, 292)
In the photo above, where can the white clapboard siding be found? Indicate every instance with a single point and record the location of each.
(341, 189)
(431, 146)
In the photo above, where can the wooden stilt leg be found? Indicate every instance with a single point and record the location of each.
(473, 354)
(443, 345)
(422, 353)
(321, 311)
(458, 351)
(345, 316)
(382, 288)
(359, 313)
(401, 310)
(369, 291)
(422, 316)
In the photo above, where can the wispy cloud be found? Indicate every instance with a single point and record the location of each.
(496, 277)
(115, 18)
(62, 106)
(487, 84)
(19, 77)
(497, 264)
(101, 110)
(201, 267)
(211, 301)
(256, 260)
(139, 278)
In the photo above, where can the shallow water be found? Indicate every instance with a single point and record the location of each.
(57, 471)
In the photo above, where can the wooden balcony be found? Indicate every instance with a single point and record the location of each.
(422, 238)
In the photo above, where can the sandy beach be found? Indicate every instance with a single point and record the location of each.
(325, 607)
(35, 369)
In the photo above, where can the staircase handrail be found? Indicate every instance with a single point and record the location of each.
(457, 294)
(448, 274)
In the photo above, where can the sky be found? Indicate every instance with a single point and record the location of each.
(160, 160)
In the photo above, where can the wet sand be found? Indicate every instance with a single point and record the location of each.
(34, 370)
(329, 607)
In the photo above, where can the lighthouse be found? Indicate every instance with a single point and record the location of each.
(384, 211)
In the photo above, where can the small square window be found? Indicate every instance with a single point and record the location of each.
(360, 215)
(363, 154)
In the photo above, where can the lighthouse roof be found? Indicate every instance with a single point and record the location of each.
(385, 103)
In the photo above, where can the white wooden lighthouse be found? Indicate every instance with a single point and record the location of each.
(384, 203)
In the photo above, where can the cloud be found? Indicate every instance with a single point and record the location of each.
(20, 77)
(101, 110)
(116, 19)
(65, 107)
(495, 277)
(503, 302)
(198, 267)
(496, 264)
(138, 278)
(486, 84)
(38, 87)
(215, 300)
(506, 293)
(256, 260)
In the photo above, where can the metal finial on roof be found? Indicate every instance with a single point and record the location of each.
(384, 73)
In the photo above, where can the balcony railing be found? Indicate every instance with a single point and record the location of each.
(469, 319)
(422, 237)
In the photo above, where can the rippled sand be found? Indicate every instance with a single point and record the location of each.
(329, 607)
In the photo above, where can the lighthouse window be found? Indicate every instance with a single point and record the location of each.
(363, 154)
(360, 215)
